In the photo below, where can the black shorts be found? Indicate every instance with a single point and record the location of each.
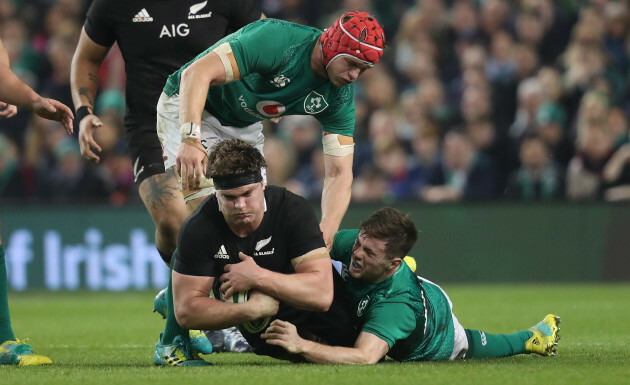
(145, 151)
(335, 327)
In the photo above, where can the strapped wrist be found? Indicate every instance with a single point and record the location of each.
(195, 143)
(190, 130)
(82, 112)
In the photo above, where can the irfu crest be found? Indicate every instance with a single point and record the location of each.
(315, 103)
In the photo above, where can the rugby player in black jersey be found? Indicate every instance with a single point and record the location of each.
(261, 239)
(156, 38)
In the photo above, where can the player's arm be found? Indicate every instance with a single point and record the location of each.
(86, 63)
(195, 310)
(338, 155)
(311, 287)
(215, 68)
(13, 92)
(368, 348)
(11, 84)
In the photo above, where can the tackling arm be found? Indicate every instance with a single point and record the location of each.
(368, 348)
(337, 187)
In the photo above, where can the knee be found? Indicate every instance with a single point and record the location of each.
(168, 223)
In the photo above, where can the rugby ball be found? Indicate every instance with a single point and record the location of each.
(254, 326)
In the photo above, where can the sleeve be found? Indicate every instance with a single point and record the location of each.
(242, 13)
(390, 321)
(342, 245)
(193, 255)
(258, 48)
(303, 233)
(342, 120)
(99, 25)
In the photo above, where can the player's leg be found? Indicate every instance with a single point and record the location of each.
(6, 332)
(174, 348)
(12, 350)
(158, 188)
(540, 339)
(164, 201)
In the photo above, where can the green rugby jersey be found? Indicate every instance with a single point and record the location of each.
(413, 316)
(274, 58)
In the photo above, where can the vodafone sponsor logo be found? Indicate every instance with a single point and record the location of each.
(270, 108)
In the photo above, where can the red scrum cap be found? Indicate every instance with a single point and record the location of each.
(355, 34)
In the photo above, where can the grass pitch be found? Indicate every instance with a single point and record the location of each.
(108, 338)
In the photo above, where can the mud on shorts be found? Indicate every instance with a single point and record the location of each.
(212, 132)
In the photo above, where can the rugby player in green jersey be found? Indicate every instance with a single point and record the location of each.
(401, 315)
(265, 70)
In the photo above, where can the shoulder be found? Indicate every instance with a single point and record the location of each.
(281, 195)
(205, 219)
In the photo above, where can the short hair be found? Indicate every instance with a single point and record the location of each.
(395, 228)
(234, 157)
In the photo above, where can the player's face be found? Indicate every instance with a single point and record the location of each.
(243, 205)
(369, 260)
(344, 70)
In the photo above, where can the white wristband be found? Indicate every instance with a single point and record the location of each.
(190, 130)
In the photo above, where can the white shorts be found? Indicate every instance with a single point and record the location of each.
(212, 132)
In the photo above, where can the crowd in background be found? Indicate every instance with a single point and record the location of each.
(473, 100)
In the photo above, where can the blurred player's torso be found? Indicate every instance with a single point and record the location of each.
(157, 37)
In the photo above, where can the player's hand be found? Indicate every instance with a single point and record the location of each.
(87, 126)
(262, 304)
(284, 334)
(54, 110)
(7, 110)
(239, 276)
(191, 163)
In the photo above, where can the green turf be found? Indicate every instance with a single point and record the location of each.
(108, 338)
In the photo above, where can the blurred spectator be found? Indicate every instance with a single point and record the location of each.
(11, 181)
(462, 173)
(304, 136)
(616, 175)
(381, 133)
(529, 98)
(432, 102)
(617, 123)
(595, 147)
(425, 157)
(392, 162)
(538, 177)
(309, 181)
(494, 16)
(617, 19)
(72, 181)
(550, 123)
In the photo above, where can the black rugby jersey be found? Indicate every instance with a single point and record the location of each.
(157, 37)
(289, 229)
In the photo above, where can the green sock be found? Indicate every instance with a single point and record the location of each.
(172, 328)
(485, 345)
(6, 332)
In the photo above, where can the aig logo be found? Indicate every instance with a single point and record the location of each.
(174, 30)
